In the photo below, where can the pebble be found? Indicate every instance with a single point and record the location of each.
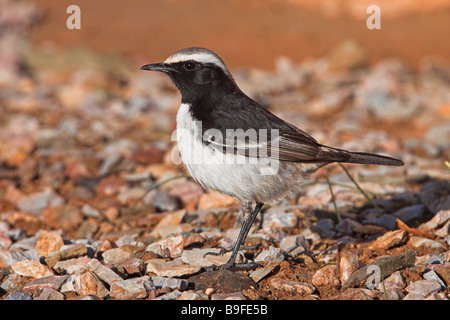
(438, 220)
(228, 296)
(423, 287)
(34, 203)
(48, 242)
(19, 296)
(115, 255)
(259, 274)
(387, 221)
(395, 281)
(50, 294)
(271, 256)
(134, 288)
(279, 219)
(420, 241)
(197, 257)
(49, 282)
(326, 276)
(348, 263)
(291, 285)
(30, 268)
(390, 240)
(171, 246)
(411, 213)
(102, 272)
(173, 268)
(171, 283)
(324, 227)
(288, 244)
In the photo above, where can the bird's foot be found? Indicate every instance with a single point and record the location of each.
(223, 250)
(233, 265)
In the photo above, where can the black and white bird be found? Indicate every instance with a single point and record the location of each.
(231, 144)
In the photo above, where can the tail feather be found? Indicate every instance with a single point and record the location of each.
(370, 158)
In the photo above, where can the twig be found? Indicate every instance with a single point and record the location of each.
(333, 199)
(380, 212)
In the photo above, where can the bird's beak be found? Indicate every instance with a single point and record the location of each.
(162, 67)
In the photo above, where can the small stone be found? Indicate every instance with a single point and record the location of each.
(393, 294)
(171, 246)
(326, 276)
(216, 200)
(414, 296)
(174, 268)
(70, 266)
(228, 296)
(19, 296)
(432, 275)
(169, 296)
(395, 281)
(408, 214)
(90, 212)
(162, 201)
(324, 227)
(346, 226)
(200, 258)
(74, 251)
(103, 272)
(50, 294)
(166, 224)
(134, 288)
(349, 263)
(112, 213)
(115, 255)
(290, 243)
(259, 274)
(87, 283)
(417, 242)
(189, 193)
(33, 269)
(358, 294)
(291, 285)
(130, 266)
(34, 203)
(192, 295)
(389, 240)
(50, 282)
(270, 256)
(279, 219)
(67, 217)
(171, 283)
(390, 264)
(439, 219)
(48, 242)
(387, 221)
(444, 273)
(423, 287)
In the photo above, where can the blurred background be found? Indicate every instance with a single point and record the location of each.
(248, 33)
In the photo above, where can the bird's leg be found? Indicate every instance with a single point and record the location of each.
(244, 210)
(248, 219)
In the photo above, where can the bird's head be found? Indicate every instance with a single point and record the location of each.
(195, 71)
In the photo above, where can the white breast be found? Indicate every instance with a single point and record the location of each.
(235, 175)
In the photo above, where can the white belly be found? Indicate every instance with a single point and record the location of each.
(235, 175)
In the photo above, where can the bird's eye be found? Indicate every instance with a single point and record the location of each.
(189, 65)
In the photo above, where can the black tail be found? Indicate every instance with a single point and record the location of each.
(370, 158)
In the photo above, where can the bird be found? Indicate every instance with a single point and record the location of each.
(229, 143)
